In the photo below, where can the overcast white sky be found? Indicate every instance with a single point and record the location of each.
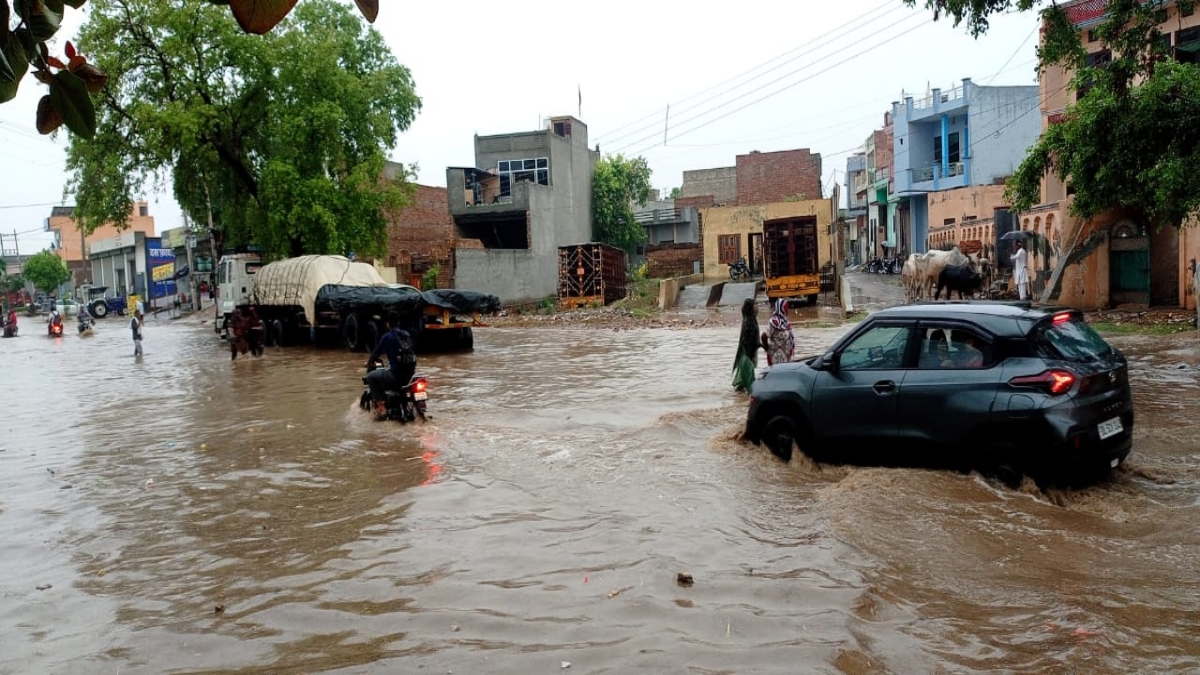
(816, 75)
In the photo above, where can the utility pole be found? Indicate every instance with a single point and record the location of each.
(83, 255)
(189, 242)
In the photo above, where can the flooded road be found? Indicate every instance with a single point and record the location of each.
(186, 514)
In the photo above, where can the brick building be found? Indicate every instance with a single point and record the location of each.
(421, 236)
(764, 177)
(757, 178)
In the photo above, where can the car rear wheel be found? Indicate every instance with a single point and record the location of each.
(1001, 463)
(779, 435)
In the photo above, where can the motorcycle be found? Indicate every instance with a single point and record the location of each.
(403, 406)
(739, 271)
(56, 330)
(10, 328)
(85, 327)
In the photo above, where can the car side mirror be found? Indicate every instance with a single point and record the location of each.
(830, 361)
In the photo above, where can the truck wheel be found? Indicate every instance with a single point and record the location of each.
(370, 336)
(466, 339)
(812, 299)
(275, 334)
(350, 333)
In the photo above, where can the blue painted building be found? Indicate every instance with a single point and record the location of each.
(966, 136)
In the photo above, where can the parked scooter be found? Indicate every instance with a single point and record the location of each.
(404, 405)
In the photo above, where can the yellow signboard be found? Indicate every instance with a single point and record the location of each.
(164, 272)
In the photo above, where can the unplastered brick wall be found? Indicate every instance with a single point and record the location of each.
(700, 202)
(764, 177)
(672, 260)
(422, 235)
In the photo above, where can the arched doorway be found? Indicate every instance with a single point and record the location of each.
(1128, 264)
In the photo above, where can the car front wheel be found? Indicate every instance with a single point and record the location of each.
(779, 435)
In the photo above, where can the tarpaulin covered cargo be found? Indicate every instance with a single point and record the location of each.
(297, 281)
(408, 302)
(466, 302)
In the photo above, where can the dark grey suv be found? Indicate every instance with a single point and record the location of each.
(1003, 388)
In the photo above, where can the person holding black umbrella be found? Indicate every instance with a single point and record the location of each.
(1020, 269)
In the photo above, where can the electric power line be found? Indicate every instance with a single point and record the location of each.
(658, 114)
(1014, 54)
(873, 47)
(29, 206)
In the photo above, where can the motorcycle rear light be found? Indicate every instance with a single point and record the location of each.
(419, 385)
(1051, 381)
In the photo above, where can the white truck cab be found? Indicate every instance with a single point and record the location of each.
(235, 283)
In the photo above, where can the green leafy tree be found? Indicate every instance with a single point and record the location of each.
(1132, 141)
(69, 101)
(14, 283)
(676, 193)
(281, 137)
(617, 184)
(46, 270)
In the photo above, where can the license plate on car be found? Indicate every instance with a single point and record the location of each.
(1110, 428)
(421, 396)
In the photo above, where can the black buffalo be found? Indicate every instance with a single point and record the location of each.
(961, 278)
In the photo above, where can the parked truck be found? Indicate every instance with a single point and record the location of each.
(791, 256)
(332, 300)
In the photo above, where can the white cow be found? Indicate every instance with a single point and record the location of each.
(910, 276)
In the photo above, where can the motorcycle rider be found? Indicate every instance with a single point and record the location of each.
(85, 318)
(397, 343)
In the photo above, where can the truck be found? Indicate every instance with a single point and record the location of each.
(791, 257)
(331, 300)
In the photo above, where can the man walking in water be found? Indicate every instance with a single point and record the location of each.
(135, 324)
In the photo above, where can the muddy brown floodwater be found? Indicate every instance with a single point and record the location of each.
(185, 514)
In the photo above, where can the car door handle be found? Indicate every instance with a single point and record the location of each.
(885, 387)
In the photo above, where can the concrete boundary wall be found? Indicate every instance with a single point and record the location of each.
(668, 289)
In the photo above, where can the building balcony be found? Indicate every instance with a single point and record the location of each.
(475, 192)
(940, 102)
(932, 178)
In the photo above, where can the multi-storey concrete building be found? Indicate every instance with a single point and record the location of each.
(965, 136)
(856, 239)
(71, 243)
(527, 194)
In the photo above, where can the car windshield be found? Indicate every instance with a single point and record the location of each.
(1074, 340)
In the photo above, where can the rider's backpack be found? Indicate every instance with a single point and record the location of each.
(408, 353)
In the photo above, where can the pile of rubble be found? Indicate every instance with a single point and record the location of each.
(611, 318)
(1180, 318)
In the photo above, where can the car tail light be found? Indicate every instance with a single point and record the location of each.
(1061, 317)
(1051, 381)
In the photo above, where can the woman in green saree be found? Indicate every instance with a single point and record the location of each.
(747, 354)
